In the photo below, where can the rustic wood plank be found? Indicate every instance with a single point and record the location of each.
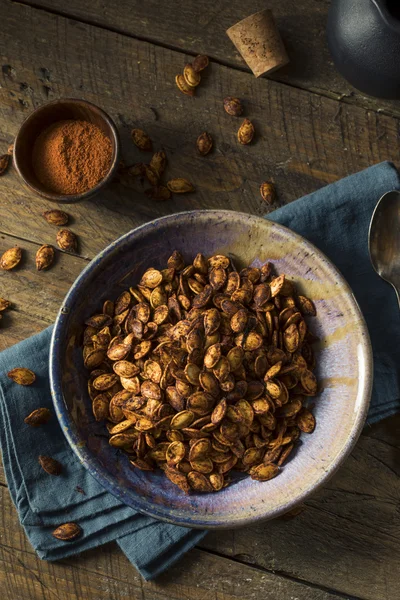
(19, 325)
(303, 140)
(106, 574)
(294, 124)
(35, 296)
(199, 27)
(387, 431)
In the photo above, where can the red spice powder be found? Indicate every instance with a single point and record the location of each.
(71, 157)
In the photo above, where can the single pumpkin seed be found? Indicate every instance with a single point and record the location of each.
(11, 258)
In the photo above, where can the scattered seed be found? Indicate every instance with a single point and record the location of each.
(183, 86)
(158, 163)
(4, 304)
(180, 186)
(204, 143)
(200, 62)
(38, 417)
(44, 257)
(141, 140)
(67, 240)
(50, 465)
(246, 132)
(159, 192)
(233, 106)
(22, 376)
(11, 258)
(56, 217)
(67, 532)
(191, 76)
(267, 191)
(4, 163)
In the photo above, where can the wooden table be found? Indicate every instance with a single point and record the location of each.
(312, 129)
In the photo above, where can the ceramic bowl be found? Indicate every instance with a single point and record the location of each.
(343, 357)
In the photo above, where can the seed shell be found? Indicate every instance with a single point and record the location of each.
(141, 140)
(67, 240)
(50, 465)
(204, 143)
(38, 417)
(159, 192)
(183, 86)
(4, 163)
(22, 376)
(56, 217)
(246, 132)
(233, 106)
(4, 304)
(267, 191)
(44, 257)
(191, 76)
(67, 532)
(200, 62)
(180, 186)
(11, 258)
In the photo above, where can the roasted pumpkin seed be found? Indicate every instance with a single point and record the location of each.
(38, 417)
(141, 140)
(233, 106)
(246, 132)
(267, 191)
(183, 86)
(192, 77)
(204, 143)
(11, 258)
(67, 240)
(50, 465)
(67, 532)
(200, 62)
(180, 186)
(56, 217)
(201, 369)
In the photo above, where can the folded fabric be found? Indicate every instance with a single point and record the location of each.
(44, 502)
(336, 220)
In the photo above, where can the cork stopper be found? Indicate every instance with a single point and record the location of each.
(259, 42)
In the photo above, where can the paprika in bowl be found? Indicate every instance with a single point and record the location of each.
(67, 150)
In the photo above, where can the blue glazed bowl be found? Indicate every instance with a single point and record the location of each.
(343, 358)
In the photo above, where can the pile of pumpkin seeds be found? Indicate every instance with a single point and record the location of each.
(201, 369)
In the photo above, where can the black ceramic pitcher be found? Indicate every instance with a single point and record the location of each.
(364, 40)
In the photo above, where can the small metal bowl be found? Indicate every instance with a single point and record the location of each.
(344, 366)
(43, 117)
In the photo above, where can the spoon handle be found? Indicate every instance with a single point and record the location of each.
(397, 293)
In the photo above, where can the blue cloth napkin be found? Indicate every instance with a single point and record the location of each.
(44, 502)
(335, 219)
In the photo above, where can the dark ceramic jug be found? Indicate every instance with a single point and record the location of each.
(364, 40)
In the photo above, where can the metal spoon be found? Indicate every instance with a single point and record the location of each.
(384, 239)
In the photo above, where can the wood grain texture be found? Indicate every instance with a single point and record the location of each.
(348, 537)
(303, 141)
(199, 27)
(106, 574)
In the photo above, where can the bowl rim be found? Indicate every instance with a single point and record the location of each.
(71, 198)
(106, 479)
